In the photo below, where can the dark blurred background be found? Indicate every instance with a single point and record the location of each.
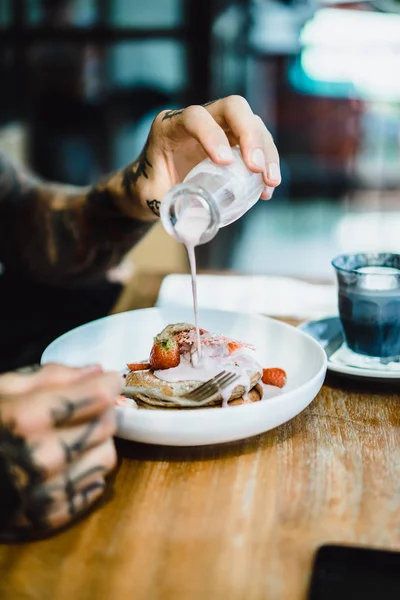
(81, 80)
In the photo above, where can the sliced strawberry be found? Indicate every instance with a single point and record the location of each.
(164, 353)
(275, 376)
(144, 366)
(233, 346)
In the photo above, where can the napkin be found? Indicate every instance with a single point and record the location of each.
(268, 295)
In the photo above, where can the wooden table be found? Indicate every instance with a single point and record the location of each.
(241, 521)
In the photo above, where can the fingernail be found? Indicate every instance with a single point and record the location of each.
(225, 152)
(258, 158)
(92, 369)
(268, 191)
(274, 172)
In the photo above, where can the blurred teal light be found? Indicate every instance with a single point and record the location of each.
(349, 53)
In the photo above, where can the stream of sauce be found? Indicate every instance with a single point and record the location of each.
(189, 229)
(203, 364)
(192, 262)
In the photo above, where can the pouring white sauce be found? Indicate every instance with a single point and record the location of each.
(189, 229)
(204, 362)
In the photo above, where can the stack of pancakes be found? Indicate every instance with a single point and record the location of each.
(152, 387)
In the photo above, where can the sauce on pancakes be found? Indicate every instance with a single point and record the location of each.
(215, 358)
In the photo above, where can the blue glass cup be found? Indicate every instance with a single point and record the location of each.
(369, 302)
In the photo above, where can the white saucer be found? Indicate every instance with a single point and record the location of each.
(128, 337)
(328, 332)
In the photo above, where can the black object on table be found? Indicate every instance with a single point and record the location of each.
(355, 573)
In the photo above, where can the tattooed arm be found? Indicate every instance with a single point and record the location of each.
(62, 235)
(55, 447)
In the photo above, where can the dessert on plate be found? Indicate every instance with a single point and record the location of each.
(181, 359)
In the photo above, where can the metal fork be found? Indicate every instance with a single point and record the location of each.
(212, 387)
(197, 397)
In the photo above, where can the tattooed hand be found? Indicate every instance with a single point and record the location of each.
(56, 446)
(180, 139)
(63, 235)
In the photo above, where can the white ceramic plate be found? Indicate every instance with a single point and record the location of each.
(128, 337)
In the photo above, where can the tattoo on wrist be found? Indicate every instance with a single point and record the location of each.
(154, 206)
(71, 235)
(138, 169)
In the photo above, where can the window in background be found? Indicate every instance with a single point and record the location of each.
(90, 75)
(326, 82)
(160, 64)
(5, 13)
(89, 100)
(146, 76)
(352, 53)
(152, 13)
(356, 55)
(157, 67)
(35, 12)
(80, 13)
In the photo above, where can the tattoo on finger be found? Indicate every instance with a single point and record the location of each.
(69, 492)
(172, 113)
(97, 470)
(81, 444)
(88, 491)
(66, 410)
(27, 499)
(43, 501)
(74, 493)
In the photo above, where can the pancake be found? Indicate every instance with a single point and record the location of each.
(147, 403)
(174, 369)
(150, 384)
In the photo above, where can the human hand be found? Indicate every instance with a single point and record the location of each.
(56, 446)
(180, 139)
